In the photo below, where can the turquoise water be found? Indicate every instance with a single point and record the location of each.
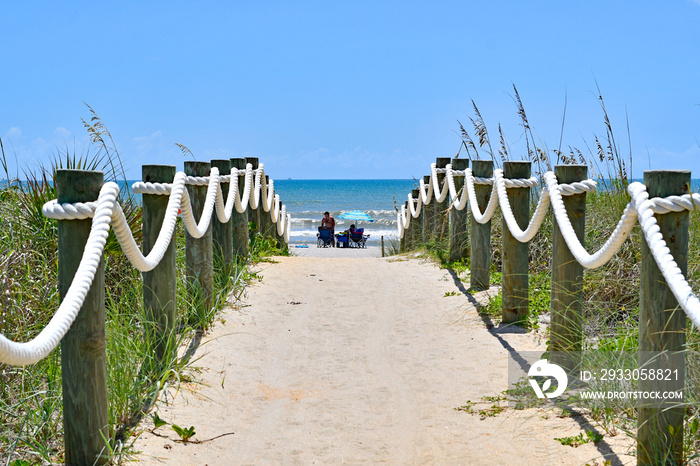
(307, 200)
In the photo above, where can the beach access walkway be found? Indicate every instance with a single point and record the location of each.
(361, 360)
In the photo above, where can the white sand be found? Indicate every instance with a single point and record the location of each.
(359, 360)
(350, 253)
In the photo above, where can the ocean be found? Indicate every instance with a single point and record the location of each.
(307, 200)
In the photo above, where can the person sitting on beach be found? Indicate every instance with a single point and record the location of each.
(329, 222)
(351, 229)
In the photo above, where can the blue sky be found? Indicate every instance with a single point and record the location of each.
(347, 89)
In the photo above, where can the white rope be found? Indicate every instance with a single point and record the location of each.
(425, 193)
(403, 220)
(662, 255)
(415, 206)
(579, 187)
(107, 210)
(75, 211)
(611, 246)
(142, 187)
(477, 215)
(21, 354)
(440, 193)
(457, 202)
(255, 195)
(640, 207)
(197, 230)
(537, 218)
(224, 211)
(480, 180)
(403, 217)
(267, 191)
(668, 204)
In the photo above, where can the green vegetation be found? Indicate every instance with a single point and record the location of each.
(580, 439)
(31, 396)
(491, 409)
(185, 433)
(610, 293)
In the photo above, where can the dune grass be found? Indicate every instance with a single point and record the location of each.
(611, 292)
(31, 397)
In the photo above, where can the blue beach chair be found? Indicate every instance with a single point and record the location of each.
(358, 239)
(324, 237)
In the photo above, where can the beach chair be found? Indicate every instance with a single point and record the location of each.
(324, 237)
(358, 239)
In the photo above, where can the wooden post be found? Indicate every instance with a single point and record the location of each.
(254, 214)
(408, 233)
(265, 217)
(441, 208)
(515, 253)
(198, 252)
(239, 222)
(662, 328)
(83, 359)
(222, 233)
(427, 216)
(403, 244)
(481, 234)
(382, 245)
(566, 330)
(416, 223)
(280, 238)
(459, 238)
(160, 284)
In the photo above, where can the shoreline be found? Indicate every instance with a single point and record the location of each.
(371, 250)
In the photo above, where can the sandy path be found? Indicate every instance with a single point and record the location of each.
(358, 361)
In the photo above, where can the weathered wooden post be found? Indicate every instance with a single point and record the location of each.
(662, 328)
(239, 222)
(283, 242)
(404, 241)
(516, 254)
(481, 234)
(198, 252)
(566, 329)
(441, 208)
(416, 223)
(265, 217)
(428, 218)
(270, 226)
(280, 238)
(83, 359)
(408, 234)
(459, 238)
(222, 233)
(382, 245)
(160, 284)
(254, 214)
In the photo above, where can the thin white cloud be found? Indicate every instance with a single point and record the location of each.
(13, 133)
(62, 132)
(662, 158)
(146, 143)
